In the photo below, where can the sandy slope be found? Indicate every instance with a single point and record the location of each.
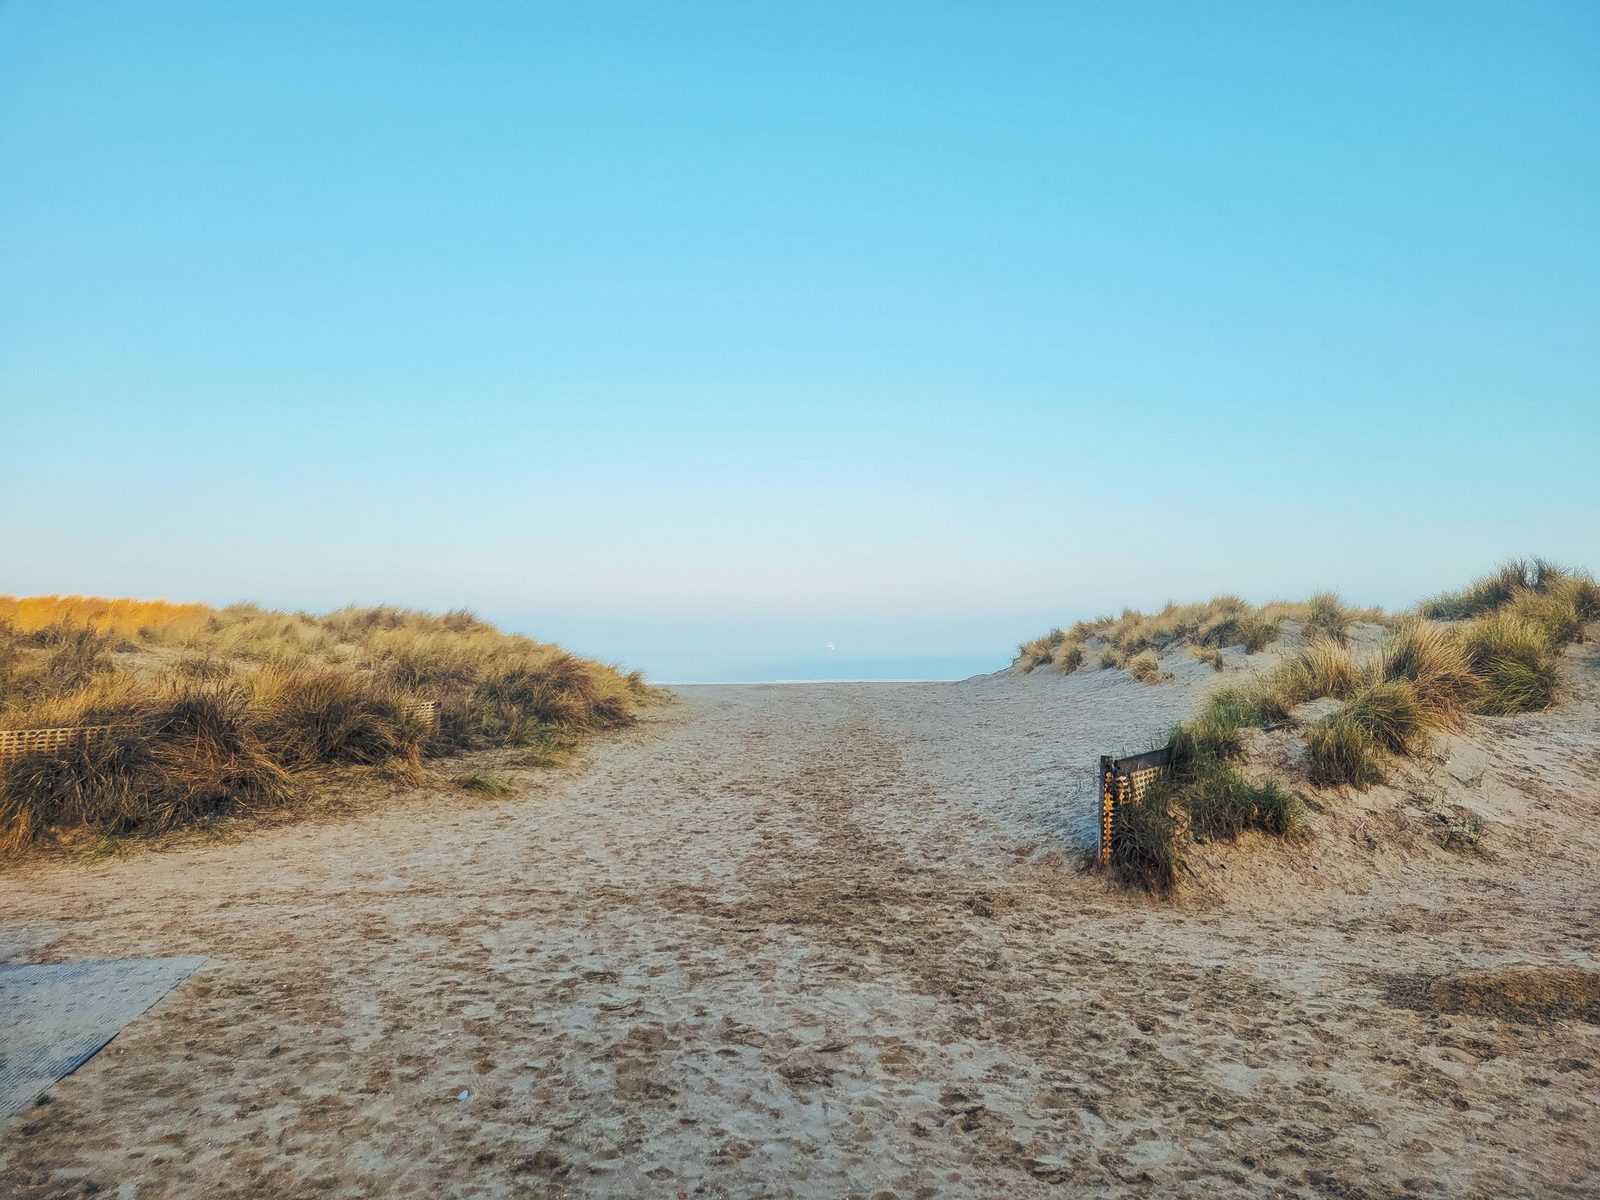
(831, 940)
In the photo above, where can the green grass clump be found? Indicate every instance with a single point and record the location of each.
(1514, 661)
(1204, 796)
(1218, 729)
(1432, 659)
(1555, 614)
(1341, 751)
(1493, 591)
(1322, 667)
(1579, 592)
(1385, 715)
(1391, 714)
(1223, 803)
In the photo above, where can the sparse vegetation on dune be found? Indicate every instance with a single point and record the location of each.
(1491, 649)
(216, 711)
(1205, 797)
(1205, 628)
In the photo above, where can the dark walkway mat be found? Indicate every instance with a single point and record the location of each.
(55, 1016)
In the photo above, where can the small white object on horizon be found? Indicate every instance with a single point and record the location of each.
(829, 647)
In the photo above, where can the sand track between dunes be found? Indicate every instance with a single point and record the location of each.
(817, 940)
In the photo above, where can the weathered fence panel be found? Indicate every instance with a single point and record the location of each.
(424, 710)
(14, 742)
(28, 741)
(1125, 781)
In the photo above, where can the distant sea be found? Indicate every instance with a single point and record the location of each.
(835, 668)
(777, 650)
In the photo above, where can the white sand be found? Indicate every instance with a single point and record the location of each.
(832, 940)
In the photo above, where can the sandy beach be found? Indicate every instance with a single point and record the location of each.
(799, 602)
(835, 940)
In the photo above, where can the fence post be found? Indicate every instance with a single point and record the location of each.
(1108, 795)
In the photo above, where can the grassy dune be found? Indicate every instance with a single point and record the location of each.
(1492, 648)
(1133, 639)
(219, 711)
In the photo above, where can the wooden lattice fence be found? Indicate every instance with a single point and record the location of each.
(30, 741)
(1124, 782)
(14, 742)
(426, 711)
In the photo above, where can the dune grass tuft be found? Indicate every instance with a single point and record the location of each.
(1321, 667)
(1223, 803)
(1034, 654)
(311, 714)
(1391, 714)
(1204, 797)
(1325, 617)
(1145, 667)
(1431, 658)
(485, 783)
(1514, 661)
(1341, 752)
(1493, 591)
(1068, 657)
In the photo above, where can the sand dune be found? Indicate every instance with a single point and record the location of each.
(835, 940)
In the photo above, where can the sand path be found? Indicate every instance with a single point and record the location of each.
(815, 940)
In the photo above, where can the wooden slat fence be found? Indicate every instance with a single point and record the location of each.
(424, 710)
(28, 741)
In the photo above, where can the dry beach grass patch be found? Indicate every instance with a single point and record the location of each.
(1529, 995)
(217, 711)
(1205, 628)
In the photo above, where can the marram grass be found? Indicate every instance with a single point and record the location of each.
(217, 711)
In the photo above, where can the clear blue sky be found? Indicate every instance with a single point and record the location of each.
(700, 335)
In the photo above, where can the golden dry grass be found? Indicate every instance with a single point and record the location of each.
(1145, 667)
(215, 709)
(1206, 627)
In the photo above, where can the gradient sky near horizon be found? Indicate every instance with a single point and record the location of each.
(700, 336)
